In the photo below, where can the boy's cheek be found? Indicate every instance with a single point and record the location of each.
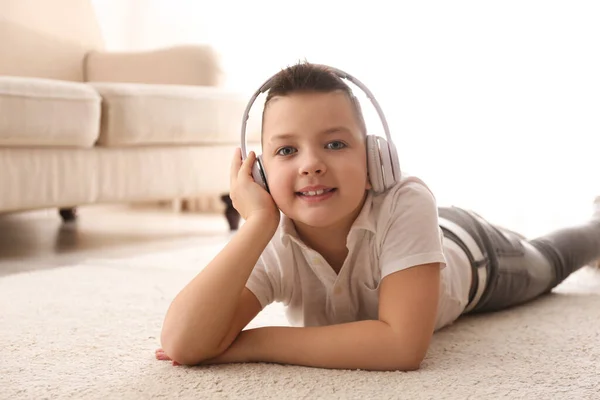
(281, 194)
(279, 184)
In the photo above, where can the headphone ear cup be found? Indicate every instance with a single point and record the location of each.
(374, 164)
(386, 163)
(395, 162)
(259, 174)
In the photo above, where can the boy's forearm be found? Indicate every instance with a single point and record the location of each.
(368, 345)
(201, 314)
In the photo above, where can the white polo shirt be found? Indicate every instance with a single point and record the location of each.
(395, 230)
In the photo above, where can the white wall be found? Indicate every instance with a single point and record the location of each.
(494, 104)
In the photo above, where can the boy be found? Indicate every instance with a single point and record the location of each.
(366, 277)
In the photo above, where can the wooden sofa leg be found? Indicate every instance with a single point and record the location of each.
(68, 214)
(233, 217)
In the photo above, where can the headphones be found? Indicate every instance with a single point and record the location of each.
(383, 165)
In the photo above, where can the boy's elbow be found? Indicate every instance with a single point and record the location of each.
(183, 351)
(183, 358)
(401, 363)
(409, 360)
(175, 350)
(408, 364)
(183, 355)
(413, 365)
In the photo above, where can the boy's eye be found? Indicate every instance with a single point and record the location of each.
(337, 145)
(286, 151)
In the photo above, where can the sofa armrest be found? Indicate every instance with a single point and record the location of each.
(178, 65)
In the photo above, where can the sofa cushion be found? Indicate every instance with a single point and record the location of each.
(45, 112)
(136, 114)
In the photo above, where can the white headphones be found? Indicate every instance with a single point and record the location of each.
(382, 158)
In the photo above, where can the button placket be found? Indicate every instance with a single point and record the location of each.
(318, 264)
(339, 297)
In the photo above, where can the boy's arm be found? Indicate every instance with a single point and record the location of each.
(206, 316)
(201, 315)
(398, 340)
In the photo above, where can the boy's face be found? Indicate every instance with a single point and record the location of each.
(315, 157)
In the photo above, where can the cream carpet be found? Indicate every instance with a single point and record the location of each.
(89, 331)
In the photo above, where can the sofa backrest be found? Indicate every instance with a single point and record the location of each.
(47, 38)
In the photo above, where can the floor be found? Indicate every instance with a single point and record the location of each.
(81, 308)
(39, 239)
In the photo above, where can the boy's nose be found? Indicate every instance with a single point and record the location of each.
(312, 166)
(311, 172)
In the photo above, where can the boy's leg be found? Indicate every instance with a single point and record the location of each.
(520, 274)
(516, 271)
(571, 248)
(520, 270)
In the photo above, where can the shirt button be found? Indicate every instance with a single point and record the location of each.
(337, 291)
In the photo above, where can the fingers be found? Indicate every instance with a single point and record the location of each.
(246, 168)
(241, 168)
(160, 355)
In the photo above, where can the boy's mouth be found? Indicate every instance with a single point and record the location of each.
(316, 193)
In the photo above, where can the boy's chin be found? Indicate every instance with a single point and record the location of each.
(315, 219)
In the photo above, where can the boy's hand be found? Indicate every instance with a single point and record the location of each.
(161, 355)
(247, 196)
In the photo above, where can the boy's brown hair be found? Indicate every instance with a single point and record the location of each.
(305, 77)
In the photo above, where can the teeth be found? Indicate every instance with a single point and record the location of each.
(314, 193)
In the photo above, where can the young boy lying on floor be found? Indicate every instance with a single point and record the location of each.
(366, 263)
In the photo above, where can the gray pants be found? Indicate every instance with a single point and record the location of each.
(519, 270)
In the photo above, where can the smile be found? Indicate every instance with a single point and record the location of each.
(316, 195)
(316, 192)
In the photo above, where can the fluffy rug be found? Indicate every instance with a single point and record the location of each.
(89, 331)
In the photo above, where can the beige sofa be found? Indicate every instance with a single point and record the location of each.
(80, 125)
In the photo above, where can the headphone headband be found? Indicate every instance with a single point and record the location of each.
(341, 74)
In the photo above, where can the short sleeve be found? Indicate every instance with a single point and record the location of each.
(265, 279)
(412, 234)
